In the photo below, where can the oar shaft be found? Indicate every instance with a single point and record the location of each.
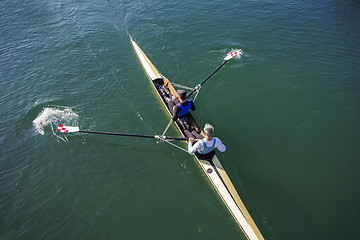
(217, 69)
(131, 135)
(118, 134)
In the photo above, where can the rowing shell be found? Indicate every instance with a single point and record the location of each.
(212, 168)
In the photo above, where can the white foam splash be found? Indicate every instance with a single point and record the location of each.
(50, 116)
(236, 53)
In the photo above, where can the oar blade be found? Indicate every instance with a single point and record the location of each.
(67, 129)
(234, 53)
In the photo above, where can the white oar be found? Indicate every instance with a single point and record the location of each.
(230, 55)
(67, 129)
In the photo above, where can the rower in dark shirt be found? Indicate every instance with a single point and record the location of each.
(179, 108)
(183, 107)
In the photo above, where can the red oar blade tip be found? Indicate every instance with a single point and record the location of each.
(67, 129)
(234, 53)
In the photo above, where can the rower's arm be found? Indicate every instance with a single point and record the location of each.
(219, 145)
(192, 106)
(196, 147)
(177, 110)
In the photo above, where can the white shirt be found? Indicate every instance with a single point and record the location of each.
(199, 145)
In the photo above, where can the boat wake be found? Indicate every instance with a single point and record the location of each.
(54, 116)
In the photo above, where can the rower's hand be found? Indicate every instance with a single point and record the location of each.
(191, 140)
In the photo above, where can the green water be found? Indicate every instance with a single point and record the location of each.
(288, 112)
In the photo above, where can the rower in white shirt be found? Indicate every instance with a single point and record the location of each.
(206, 146)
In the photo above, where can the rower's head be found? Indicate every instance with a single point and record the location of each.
(182, 94)
(208, 130)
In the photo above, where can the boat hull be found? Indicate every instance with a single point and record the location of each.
(212, 168)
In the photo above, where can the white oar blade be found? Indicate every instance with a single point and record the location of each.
(234, 53)
(67, 129)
